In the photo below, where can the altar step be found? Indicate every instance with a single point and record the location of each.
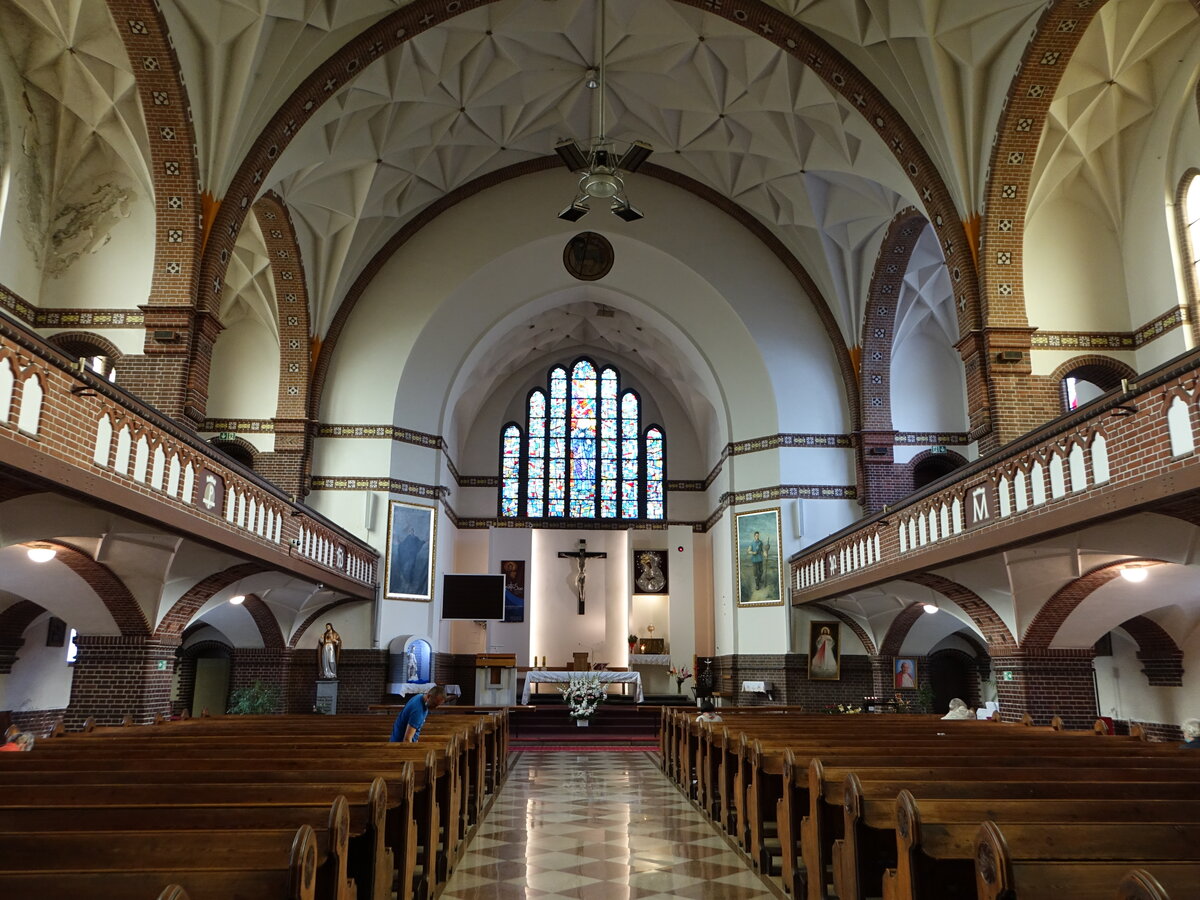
(612, 722)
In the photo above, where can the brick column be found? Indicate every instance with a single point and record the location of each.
(288, 464)
(882, 681)
(117, 676)
(1046, 683)
(1005, 399)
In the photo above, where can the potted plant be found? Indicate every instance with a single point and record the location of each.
(256, 700)
(583, 694)
(633, 639)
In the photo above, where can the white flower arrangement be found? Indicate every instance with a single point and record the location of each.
(584, 694)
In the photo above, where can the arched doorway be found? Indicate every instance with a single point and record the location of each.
(952, 674)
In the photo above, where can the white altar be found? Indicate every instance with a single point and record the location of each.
(606, 677)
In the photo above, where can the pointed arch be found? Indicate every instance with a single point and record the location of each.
(111, 590)
(999, 639)
(175, 620)
(294, 641)
(1045, 625)
(264, 619)
(1157, 651)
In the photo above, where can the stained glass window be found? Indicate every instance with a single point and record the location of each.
(583, 453)
(510, 471)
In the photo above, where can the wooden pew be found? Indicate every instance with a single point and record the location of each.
(1001, 875)
(293, 877)
(256, 741)
(85, 806)
(840, 802)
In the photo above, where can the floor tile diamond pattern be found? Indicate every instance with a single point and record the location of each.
(597, 826)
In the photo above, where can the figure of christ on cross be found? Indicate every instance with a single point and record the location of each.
(581, 556)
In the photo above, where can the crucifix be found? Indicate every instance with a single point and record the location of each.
(581, 556)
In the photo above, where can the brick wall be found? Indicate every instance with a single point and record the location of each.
(362, 676)
(117, 676)
(1045, 684)
(456, 668)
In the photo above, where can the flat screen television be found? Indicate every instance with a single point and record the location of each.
(476, 597)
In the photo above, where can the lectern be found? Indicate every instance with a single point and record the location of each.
(495, 679)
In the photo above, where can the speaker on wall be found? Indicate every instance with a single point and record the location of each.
(369, 512)
(797, 519)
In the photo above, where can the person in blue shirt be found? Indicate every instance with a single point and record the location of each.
(407, 729)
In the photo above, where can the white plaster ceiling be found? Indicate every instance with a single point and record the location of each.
(1105, 103)
(249, 291)
(575, 328)
(84, 139)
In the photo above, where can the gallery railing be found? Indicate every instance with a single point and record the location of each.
(56, 417)
(1133, 447)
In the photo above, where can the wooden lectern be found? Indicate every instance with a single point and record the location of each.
(581, 663)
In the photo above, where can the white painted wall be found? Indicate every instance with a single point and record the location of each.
(40, 678)
(245, 372)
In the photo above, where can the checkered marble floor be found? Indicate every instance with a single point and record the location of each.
(598, 826)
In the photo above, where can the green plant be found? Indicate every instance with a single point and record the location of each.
(924, 698)
(256, 700)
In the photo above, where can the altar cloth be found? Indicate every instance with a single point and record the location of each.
(606, 677)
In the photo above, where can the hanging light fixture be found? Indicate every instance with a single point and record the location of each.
(1134, 574)
(41, 554)
(930, 608)
(600, 165)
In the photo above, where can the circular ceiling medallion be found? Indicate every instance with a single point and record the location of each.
(588, 256)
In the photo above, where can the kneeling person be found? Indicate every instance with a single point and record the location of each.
(407, 729)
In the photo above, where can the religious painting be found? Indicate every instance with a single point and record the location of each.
(904, 671)
(650, 571)
(412, 542)
(757, 541)
(824, 651)
(513, 571)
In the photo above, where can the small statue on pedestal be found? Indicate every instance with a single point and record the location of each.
(329, 652)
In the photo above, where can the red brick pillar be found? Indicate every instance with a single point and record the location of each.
(1047, 683)
(115, 676)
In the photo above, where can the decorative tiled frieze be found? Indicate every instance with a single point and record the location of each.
(391, 485)
(239, 426)
(1111, 340)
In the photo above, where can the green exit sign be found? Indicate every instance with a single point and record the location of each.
(162, 665)
(1007, 676)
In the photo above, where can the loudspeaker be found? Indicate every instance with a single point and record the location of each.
(369, 512)
(798, 519)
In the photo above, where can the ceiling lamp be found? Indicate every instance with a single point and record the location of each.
(930, 608)
(1134, 574)
(600, 166)
(237, 599)
(41, 554)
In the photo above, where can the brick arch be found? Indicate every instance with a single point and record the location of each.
(753, 15)
(876, 474)
(291, 299)
(111, 590)
(1190, 288)
(13, 488)
(442, 204)
(1102, 371)
(327, 608)
(1160, 655)
(999, 639)
(240, 442)
(177, 617)
(13, 622)
(291, 455)
(80, 343)
(193, 651)
(1022, 122)
(899, 629)
(1042, 630)
(852, 624)
(268, 625)
(178, 208)
(954, 456)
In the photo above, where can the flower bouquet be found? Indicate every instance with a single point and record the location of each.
(584, 694)
(682, 674)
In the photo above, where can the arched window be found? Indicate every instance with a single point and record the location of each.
(93, 353)
(583, 453)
